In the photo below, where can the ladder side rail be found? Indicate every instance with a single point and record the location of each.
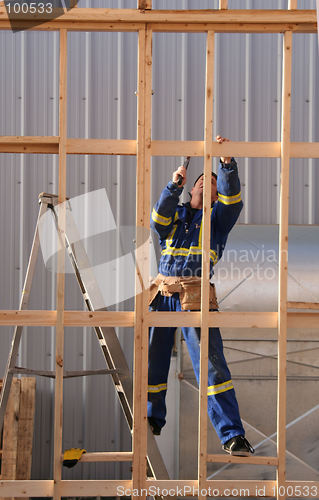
(14, 350)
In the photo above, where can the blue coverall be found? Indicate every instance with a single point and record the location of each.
(179, 231)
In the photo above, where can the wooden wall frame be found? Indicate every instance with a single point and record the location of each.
(145, 21)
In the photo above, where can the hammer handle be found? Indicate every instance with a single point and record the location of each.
(185, 164)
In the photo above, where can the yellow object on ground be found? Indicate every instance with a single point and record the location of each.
(72, 456)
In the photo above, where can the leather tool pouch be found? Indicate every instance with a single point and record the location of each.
(190, 296)
(189, 290)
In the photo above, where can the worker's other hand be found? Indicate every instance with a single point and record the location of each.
(181, 171)
(220, 140)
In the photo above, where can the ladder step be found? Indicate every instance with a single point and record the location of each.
(67, 374)
(232, 459)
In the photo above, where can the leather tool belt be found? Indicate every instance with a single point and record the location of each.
(188, 288)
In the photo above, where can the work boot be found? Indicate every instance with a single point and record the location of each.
(238, 446)
(155, 428)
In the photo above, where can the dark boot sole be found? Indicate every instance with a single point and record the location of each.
(238, 453)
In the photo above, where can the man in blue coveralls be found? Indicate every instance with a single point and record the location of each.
(177, 287)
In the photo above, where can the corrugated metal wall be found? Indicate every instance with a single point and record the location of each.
(102, 73)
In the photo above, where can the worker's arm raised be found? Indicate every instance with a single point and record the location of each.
(229, 203)
(165, 209)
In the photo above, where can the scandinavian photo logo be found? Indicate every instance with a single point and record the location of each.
(108, 256)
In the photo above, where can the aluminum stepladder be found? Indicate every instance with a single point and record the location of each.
(115, 360)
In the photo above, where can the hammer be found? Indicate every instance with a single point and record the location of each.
(185, 164)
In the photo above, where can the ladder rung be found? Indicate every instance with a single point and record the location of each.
(231, 459)
(67, 374)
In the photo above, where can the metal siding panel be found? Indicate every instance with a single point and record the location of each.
(104, 105)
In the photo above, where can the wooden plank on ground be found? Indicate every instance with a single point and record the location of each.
(26, 427)
(10, 434)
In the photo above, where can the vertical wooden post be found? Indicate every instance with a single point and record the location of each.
(203, 383)
(144, 4)
(59, 346)
(223, 4)
(292, 4)
(283, 261)
(143, 174)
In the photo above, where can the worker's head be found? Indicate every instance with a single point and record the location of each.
(197, 189)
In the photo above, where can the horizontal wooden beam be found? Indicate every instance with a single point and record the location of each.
(101, 146)
(234, 28)
(300, 319)
(229, 459)
(218, 488)
(233, 148)
(38, 488)
(168, 28)
(226, 319)
(105, 488)
(246, 488)
(107, 456)
(32, 144)
(50, 145)
(84, 26)
(82, 18)
(71, 318)
(26, 488)
(28, 318)
(303, 305)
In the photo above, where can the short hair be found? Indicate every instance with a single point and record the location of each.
(213, 174)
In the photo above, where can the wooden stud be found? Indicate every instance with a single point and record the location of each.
(283, 264)
(144, 4)
(292, 4)
(140, 374)
(59, 347)
(223, 4)
(203, 384)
